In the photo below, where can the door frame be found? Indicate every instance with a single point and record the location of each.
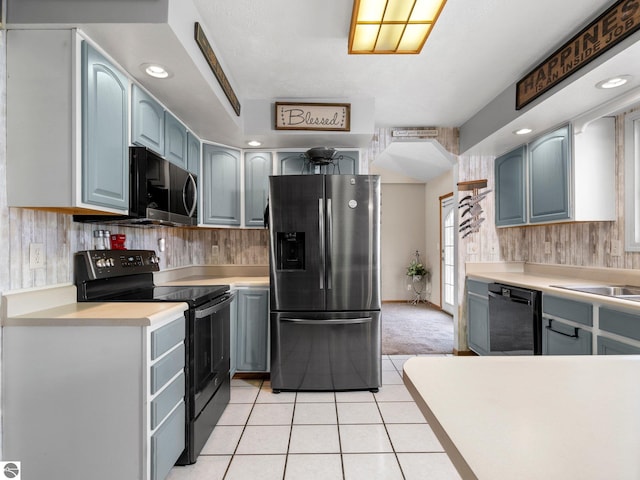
(441, 200)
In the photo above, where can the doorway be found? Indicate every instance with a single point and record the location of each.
(447, 252)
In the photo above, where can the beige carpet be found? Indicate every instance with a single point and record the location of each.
(415, 329)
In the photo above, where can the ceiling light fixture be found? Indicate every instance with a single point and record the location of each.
(254, 143)
(613, 82)
(392, 26)
(155, 70)
(523, 131)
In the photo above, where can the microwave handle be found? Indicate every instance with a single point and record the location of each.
(195, 195)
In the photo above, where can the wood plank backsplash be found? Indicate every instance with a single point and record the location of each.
(62, 237)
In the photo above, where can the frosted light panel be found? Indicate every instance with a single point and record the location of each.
(364, 38)
(413, 37)
(398, 11)
(371, 11)
(389, 37)
(425, 10)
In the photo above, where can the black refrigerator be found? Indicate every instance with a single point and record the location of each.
(325, 282)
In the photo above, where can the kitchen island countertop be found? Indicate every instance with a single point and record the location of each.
(532, 417)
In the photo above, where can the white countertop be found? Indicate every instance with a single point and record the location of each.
(100, 314)
(548, 280)
(533, 417)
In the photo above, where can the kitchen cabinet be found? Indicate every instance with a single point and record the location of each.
(625, 326)
(175, 140)
(252, 330)
(95, 401)
(296, 163)
(560, 338)
(257, 168)
(67, 131)
(233, 336)
(510, 188)
(608, 346)
(478, 316)
(539, 182)
(549, 163)
(563, 320)
(147, 125)
(221, 185)
(105, 127)
(193, 153)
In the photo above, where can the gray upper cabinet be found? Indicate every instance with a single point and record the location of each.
(193, 153)
(221, 185)
(510, 189)
(147, 121)
(549, 170)
(291, 163)
(565, 175)
(346, 162)
(105, 126)
(257, 168)
(175, 140)
(60, 157)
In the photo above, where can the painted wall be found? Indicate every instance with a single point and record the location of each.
(403, 218)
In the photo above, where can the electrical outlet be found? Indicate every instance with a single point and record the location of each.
(409, 286)
(215, 251)
(36, 255)
(472, 248)
(547, 248)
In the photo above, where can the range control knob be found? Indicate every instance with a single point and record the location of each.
(154, 260)
(101, 263)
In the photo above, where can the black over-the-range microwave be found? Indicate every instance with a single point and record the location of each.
(160, 193)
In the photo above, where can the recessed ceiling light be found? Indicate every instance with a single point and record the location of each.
(254, 143)
(155, 70)
(613, 82)
(523, 131)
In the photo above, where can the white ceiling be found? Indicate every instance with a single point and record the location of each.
(297, 49)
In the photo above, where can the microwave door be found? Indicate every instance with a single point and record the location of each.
(183, 196)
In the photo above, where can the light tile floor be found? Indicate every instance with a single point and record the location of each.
(326, 435)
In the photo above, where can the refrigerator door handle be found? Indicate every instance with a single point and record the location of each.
(329, 242)
(338, 321)
(321, 238)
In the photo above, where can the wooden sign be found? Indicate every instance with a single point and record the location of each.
(313, 116)
(615, 24)
(212, 60)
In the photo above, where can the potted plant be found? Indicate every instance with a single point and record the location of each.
(417, 270)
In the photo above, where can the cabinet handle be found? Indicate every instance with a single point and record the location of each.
(575, 330)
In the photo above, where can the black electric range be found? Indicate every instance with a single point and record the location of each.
(127, 276)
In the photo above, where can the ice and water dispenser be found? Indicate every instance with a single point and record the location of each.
(290, 250)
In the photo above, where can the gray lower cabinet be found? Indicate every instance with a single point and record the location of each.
(220, 185)
(478, 317)
(257, 168)
(624, 324)
(252, 330)
(608, 346)
(98, 402)
(560, 338)
(233, 334)
(561, 330)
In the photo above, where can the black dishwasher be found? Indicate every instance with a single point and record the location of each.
(515, 320)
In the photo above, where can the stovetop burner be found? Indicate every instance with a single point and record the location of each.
(127, 276)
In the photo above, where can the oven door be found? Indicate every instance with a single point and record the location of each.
(211, 338)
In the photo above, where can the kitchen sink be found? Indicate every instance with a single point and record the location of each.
(618, 291)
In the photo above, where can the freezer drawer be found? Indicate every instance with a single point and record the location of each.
(325, 351)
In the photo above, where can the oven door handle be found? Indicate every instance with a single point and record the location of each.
(339, 321)
(227, 298)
